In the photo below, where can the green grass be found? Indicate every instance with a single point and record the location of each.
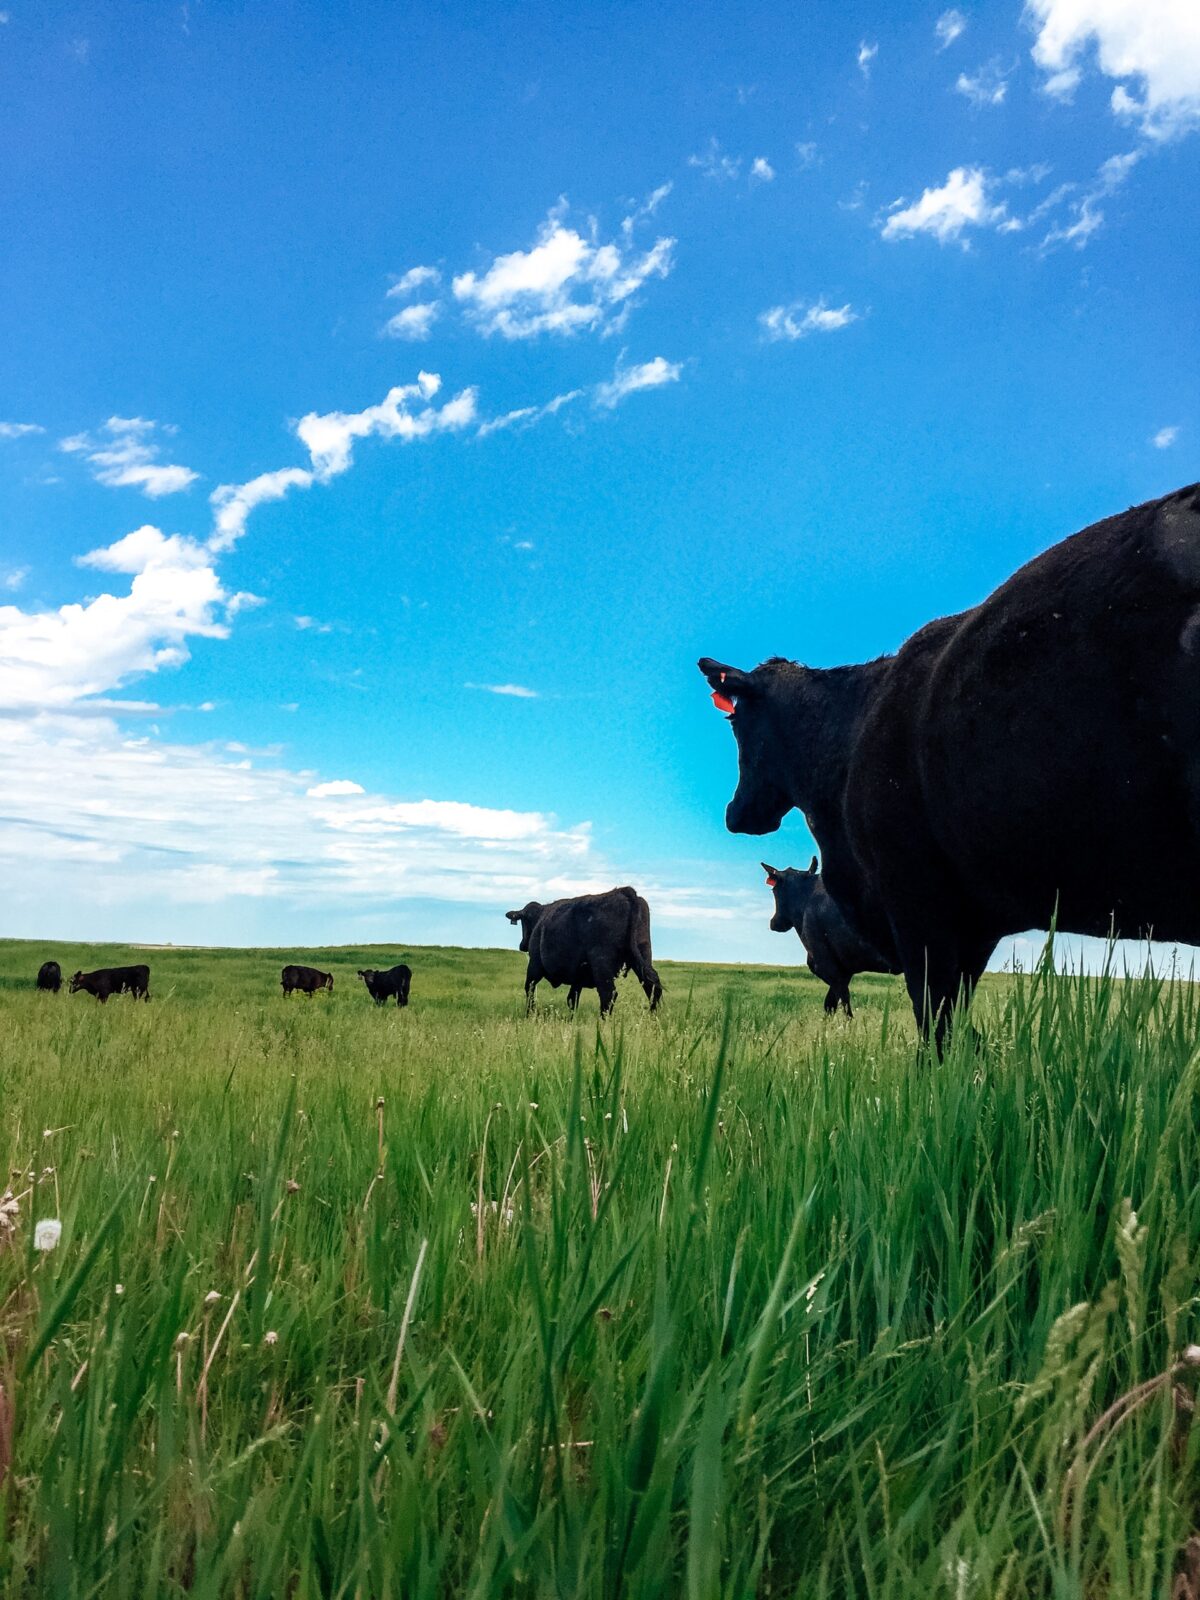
(731, 1301)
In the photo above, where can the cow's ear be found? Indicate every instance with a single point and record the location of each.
(513, 916)
(772, 875)
(812, 867)
(727, 682)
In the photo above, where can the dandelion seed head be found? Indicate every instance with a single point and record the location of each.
(47, 1234)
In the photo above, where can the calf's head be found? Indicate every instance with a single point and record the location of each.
(526, 918)
(760, 801)
(793, 890)
(76, 981)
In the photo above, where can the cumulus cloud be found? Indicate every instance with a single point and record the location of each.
(949, 26)
(415, 278)
(336, 786)
(516, 691)
(57, 659)
(565, 283)
(19, 430)
(628, 380)
(946, 212)
(986, 87)
(1165, 438)
(124, 456)
(762, 171)
(1153, 45)
(414, 322)
(800, 318)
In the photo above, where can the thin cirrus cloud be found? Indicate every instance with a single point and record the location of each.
(866, 57)
(951, 25)
(1151, 45)
(124, 455)
(412, 280)
(714, 163)
(513, 691)
(19, 430)
(802, 318)
(988, 86)
(630, 380)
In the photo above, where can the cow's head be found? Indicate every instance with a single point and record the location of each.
(760, 801)
(329, 981)
(76, 981)
(526, 918)
(793, 890)
(367, 975)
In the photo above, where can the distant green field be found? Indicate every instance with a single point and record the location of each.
(730, 1301)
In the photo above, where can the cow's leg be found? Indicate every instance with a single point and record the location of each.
(831, 1000)
(573, 994)
(844, 999)
(653, 987)
(534, 973)
(605, 978)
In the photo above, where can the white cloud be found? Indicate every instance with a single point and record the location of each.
(19, 430)
(526, 416)
(232, 503)
(949, 26)
(628, 380)
(57, 659)
(1165, 438)
(714, 163)
(960, 203)
(336, 786)
(1153, 44)
(986, 87)
(15, 577)
(646, 209)
(414, 278)
(329, 437)
(516, 691)
(414, 322)
(806, 154)
(866, 55)
(565, 283)
(762, 170)
(125, 457)
(1084, 214)
(800, 318)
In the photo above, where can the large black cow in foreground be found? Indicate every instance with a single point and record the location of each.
(50, 976)
(384, 986)
(1033, 760)
(113, 980)
(835, 951)
(307, 979)
(586, 943)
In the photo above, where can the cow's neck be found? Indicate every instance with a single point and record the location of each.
(823, 711)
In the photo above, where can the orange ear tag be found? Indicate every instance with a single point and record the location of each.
(771, 882)
(723, 703)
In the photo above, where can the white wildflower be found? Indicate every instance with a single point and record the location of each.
(270, 1337)
(212, 1297)
(118, 1288)
(47, 1233)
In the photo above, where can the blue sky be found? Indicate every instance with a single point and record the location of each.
(735, 335)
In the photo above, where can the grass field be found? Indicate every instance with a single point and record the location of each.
(731, 1301)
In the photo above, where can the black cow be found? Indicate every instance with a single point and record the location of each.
(587, 942)
(50, 976)
(113, 980)
(381, 986)
(835, 951)
(975, 783)
(307, 979)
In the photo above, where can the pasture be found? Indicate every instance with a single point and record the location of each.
(730, 1301)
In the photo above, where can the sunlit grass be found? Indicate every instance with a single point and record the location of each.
(730, 1301)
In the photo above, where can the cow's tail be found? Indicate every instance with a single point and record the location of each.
(641, 957)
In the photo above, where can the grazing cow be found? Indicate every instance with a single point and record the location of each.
(113, 980)
(974, 784)
(835, 951)
(50, 976)
(307, 979)
(586, 943)
(381, 986)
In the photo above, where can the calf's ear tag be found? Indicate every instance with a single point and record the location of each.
(723, 702)
(772, 881)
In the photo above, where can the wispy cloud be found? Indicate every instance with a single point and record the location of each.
(1084, 211)
(515, 691)
(801, 318)
(806, 154)
(19, 430)
(527, 416)
(987, 86)
(1165, 438)
(415, 278)
(414, 322)
(713, 162)
(949, 210)
(761, 170)
(951, 25)
(866, 56)
(566, 283)
(125, 456)
(628, 380)
(14, 578)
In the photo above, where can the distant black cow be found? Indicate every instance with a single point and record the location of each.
(113, 980)
(835, 951)
(381, 986)
(50, 976)
(975, 783)
(586, 943)
(306, 979)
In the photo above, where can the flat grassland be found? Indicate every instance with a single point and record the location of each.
(730, 1301)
